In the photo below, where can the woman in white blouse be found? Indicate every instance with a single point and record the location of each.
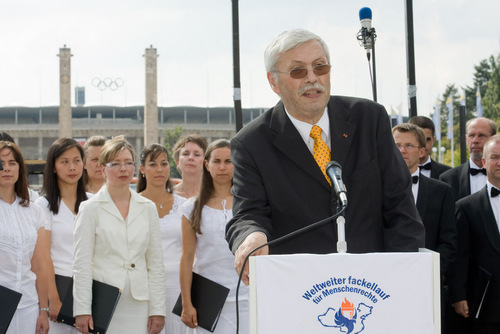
(204, 247)
(24, 250)
(154, 184)
(189, 153)
(62, 193)
(117, 241)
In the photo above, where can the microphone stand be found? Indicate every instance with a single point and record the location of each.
(373, 35)
(366, 38)
(341, 242)
(340, 212)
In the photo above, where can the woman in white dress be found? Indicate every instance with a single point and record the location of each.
(154, 184)
(62, 192)
(117, 241)
(93, 178)
(189, 153)
(204, 247)
(24, 250)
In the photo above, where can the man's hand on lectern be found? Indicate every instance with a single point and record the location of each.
(251, 242)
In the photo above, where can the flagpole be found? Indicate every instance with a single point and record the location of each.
(449, 105)
(462, 111)
(452, 152)
(238, 113)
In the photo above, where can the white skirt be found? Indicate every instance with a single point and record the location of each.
(227, 320)
(131, 315)
(60, 328)
(24, 320)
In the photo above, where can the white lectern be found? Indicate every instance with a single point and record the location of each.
(345, 293)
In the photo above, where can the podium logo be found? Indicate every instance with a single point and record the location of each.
(347, 319)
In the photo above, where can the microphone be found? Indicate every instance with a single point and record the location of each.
(365, 17)
(334, 172)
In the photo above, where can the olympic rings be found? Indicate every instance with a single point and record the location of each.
(107, 83)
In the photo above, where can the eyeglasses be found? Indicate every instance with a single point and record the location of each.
(118, 165)
(301, 72)
(408, 147)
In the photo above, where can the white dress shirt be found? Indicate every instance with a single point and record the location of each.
(477, 182)
(495, 203)
(18, 235)
(304, 129)
(414, 186)
(426, 172)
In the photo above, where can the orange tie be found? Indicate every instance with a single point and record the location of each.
(321, 152)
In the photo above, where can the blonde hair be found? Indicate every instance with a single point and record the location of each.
(113, 147)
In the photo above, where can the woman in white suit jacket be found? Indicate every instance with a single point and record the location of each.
(117, 241)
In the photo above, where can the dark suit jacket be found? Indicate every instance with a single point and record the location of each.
(437, 169)
(279, 188)
(459, 180)
(478, 243)
(437, 209)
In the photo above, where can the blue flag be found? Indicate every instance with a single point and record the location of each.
(449, 105)
(479, 106)
(436, 118)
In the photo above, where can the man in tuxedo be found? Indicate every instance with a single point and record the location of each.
(432, 197)
(464, 180)
(280, 183)
(427, 166)
(469, 177)
(478, 218)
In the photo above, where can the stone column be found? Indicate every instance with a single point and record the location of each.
(151, 105)
(65, 115)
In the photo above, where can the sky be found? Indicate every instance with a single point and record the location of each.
(193, 38)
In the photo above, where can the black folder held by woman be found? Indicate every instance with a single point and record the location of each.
(9, 299)
(104, 300)
(208, 298)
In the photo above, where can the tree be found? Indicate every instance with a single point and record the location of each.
(171, 137)
(487, 79)
(491, 98)
(482, 75)
(451, 91)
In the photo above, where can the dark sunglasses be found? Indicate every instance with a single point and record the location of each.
(300, 72)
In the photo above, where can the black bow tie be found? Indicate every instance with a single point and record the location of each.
(475, 171)
(494, 192)
(414, 179)
(426, 166)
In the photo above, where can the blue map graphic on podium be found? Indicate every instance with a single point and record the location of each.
(348, 319)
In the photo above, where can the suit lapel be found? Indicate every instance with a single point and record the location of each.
(289, 142)
(136, 207)
(465, 180)
(434, 170)
(487, 218)
(423, 195)
(341, 132)
(107, 203)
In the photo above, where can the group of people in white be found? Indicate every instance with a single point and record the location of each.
(88, 224)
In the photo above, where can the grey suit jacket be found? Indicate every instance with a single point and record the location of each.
(279, 188)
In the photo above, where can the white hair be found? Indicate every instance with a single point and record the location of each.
(286, 41)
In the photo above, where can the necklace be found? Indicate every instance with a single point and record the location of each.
(158, 204)
(164, 202)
